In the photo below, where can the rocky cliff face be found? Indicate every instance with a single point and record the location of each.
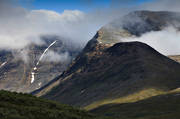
(19, 75)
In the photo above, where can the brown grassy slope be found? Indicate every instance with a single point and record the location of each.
(165, 106)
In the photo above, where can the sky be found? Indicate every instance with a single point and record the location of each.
(82, 5)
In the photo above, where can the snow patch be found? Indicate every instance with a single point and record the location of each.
(39, 84)
(35, 68)
(32, 77)
(3, 64)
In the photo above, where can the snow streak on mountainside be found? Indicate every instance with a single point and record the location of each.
(45, 52)
(4, 63)
(41, 57)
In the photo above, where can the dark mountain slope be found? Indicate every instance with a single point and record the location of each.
(159, 107)
(120, 70)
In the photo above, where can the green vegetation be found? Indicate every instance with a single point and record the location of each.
(24, 106)
(165, 106)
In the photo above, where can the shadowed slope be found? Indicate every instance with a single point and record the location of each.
(159, 107)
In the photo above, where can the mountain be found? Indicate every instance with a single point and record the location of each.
(19, 70)
(24, 106)
(111, 71)
(125, 69)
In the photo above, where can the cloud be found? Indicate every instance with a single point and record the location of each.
(162, 5)
(166, 41)
(52, 56)
(20, 27)
(23, 29)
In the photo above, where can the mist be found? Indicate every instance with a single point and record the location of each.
(21, 27)
(166, 41)
(52, 56)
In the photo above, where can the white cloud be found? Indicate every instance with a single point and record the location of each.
(52, 56)
(166, 41)
(25, 27)
(17, 32)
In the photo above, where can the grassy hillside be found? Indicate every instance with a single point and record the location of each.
(24, 106)
(165, 106)
(138, 96)
(141, 95)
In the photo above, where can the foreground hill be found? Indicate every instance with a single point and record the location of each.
(110, 71)
(24, 106)
(165, 106)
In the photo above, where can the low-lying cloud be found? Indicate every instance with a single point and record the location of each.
(166, 41)
(52, 56)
